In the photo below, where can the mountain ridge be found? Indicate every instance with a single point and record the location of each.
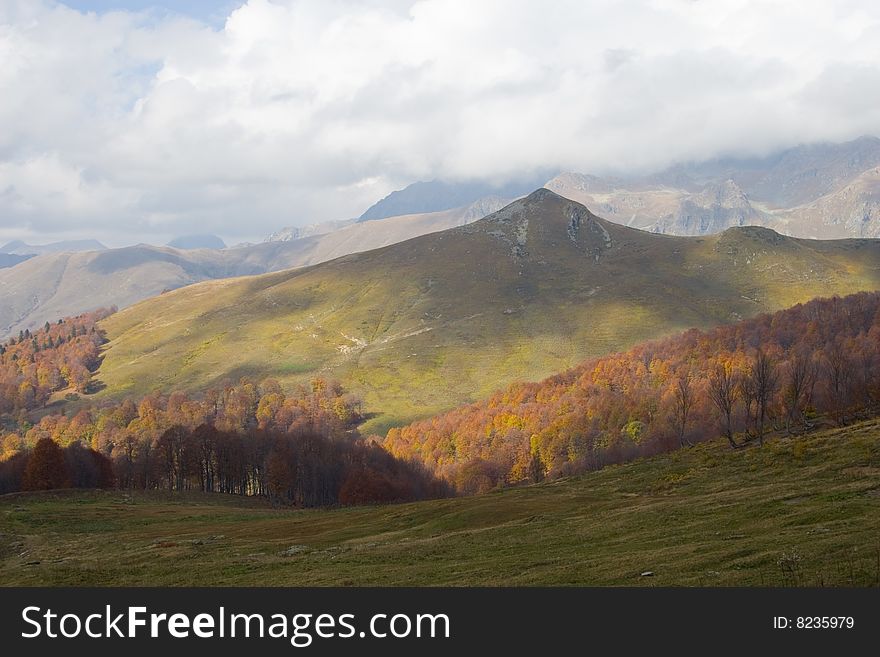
(780, 190)
(446, 318)
(688, 199)
(57, 285)
(18, 247)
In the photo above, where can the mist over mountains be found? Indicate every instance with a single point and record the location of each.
(820, 191)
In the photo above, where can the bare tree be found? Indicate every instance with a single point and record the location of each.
(798, 387)
(764, 379)
(684, 401)
(171, 445)
(838, 380)
(866, 361)
(723, 392)
(747, 394)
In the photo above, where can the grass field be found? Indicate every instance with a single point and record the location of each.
(802, 511)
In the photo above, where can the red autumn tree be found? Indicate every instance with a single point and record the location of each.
(46, 468)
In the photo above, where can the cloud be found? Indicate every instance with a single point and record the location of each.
(132, 125)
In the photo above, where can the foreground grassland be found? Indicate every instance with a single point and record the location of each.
(800, 511)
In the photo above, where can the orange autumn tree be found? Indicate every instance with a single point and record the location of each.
(57, 356)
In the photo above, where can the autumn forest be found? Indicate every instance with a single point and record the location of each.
(788, 372)
(810, 366)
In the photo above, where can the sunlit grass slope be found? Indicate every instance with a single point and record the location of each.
(424, 325)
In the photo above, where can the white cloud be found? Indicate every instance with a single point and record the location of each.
(132, 125)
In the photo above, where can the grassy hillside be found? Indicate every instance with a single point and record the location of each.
(803, 511)
(425, 325)
(54, 285)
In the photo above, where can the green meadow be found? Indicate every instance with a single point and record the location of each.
(798, 512)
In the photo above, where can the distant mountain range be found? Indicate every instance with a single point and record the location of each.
(18, 247)
(189, 242)
(447, 318)
(821, 191)
(439, 195)
(59, 284)
(814, 191)
(11, 259)
(290, 233)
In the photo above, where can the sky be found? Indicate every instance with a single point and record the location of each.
(211, 12)
(140, 121)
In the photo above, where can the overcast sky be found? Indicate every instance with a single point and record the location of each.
(136, 121)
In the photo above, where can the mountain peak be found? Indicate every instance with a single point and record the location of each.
(759, 234)
(726, 192)
(543, 223)
(542, 194)
(191, 242)
(439, 195)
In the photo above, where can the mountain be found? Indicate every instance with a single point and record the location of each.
(439, 195)
(18, 247)
(779, 191)
(10, 260)
(815, 191)
(189, 242)
(788, 178)
(692, 199)
(447, 318)
(391, 229)
(364, 236)
(853, 210)
(57, 285)
(713, 208)
(298, 232)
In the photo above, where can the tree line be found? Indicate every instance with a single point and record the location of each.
(302, 470)
(782, 372)
(49, 466)
(298, 447)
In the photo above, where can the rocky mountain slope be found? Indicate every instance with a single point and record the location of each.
(816, 191)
